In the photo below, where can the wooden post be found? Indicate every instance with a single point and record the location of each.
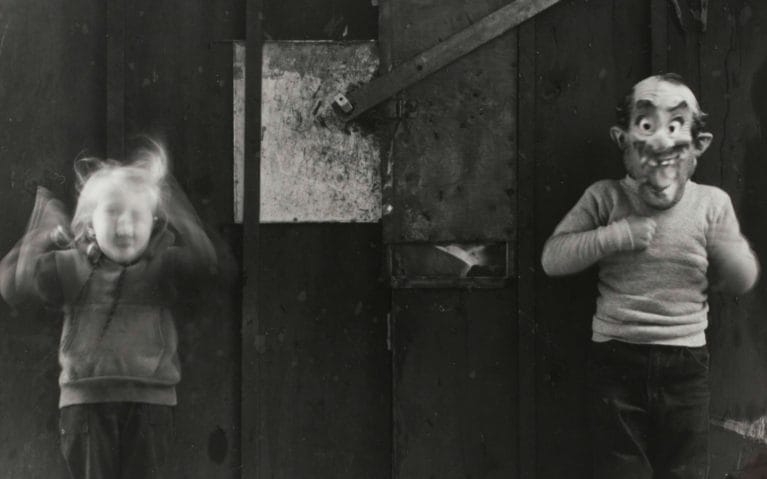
(115, 91)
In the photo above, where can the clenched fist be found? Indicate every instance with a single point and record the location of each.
(642, 231)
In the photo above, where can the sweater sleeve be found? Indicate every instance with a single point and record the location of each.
(48, 285)
(580, 240)
(734, 265)
(19, 268)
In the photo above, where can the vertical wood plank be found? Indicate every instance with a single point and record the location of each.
(115, 84)
(52, 99)
(659, 11)
(238, 136)
(454, 156)
(455, 384)
(527, 260)
(323, 362)
(454, 352)
(733, 71)
(684, 37)
(733, 63)
(319, 20)
(254, 459)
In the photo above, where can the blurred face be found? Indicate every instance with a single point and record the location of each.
(659, 151)
(123, 221)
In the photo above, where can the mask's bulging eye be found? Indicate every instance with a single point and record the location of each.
(674, 126)
(645, 125)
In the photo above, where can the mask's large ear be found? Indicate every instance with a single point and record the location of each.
(702, 142)
(84, 168)
(619, 136)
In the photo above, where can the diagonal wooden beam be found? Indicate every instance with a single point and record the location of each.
(424, 64)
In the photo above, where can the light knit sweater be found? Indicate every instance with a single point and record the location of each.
(657, 295)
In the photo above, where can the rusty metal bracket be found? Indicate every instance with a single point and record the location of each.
(438, 56)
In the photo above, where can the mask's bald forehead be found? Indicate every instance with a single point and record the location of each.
(664, 94)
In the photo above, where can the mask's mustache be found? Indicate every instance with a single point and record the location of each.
(645, 149)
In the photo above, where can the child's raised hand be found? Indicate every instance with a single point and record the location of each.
(642, 231)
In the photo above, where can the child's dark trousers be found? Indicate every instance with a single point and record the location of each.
(649, 409)
(120, 440)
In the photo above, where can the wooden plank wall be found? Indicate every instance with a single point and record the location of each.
(454, 164)
(52, 83)
(317, 372)
(453, 158)
(727, 64)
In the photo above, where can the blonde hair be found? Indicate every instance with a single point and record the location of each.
(146, 172)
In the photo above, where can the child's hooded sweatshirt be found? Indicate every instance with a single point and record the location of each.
(119, 342)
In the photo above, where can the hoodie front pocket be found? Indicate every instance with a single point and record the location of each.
(130, 344)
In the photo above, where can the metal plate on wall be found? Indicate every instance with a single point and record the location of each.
(313, 167)
(453, 162)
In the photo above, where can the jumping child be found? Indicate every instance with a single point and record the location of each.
(133, 242)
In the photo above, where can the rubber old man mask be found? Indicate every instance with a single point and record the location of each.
(661, 140)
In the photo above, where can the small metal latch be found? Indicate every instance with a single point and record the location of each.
(342, 103)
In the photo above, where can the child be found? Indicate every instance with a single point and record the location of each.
(116, 282)
(657, 237)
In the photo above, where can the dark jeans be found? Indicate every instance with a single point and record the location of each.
(649, 411)
(116, 440)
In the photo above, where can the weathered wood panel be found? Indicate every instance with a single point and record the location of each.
(313, 167)
(178, 86)
(453, 165)
(345, 20)
(455, 383)
(527, 260)
(454, 155)
(52, 104)
(732, 52)
(732, 63)
(324, 385)
(588, 55)
(252, 439)
(319, 406)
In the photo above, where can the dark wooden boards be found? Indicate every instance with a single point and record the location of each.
(453, 178)
(454, 158)
(732, 60)
(252, 419)
(324, 369)
(342, 20)
(52, 100)
(455, 388)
